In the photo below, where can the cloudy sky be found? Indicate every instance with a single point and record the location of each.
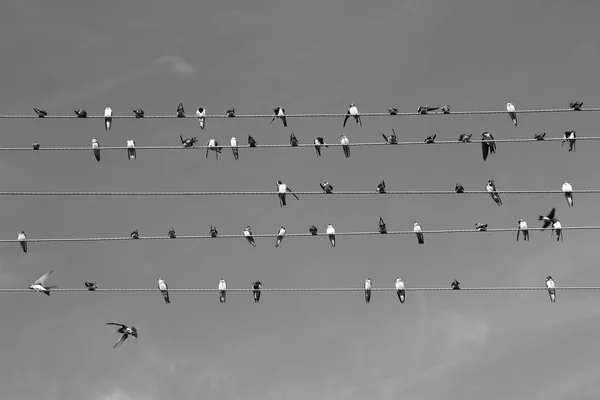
(310, 56)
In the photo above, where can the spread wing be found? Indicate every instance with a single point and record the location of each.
(121, 340)
(44, 278)
(117, 324)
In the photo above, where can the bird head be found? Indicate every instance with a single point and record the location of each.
(548, 277)
(279, 182)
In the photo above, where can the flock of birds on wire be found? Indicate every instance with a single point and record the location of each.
(488, 147)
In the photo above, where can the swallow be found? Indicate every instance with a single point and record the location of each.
(81, 113)
(331, 234)
(213, 145)
(280, 236)
(201, 114)
(164, 289)
(548, 219)
(125, 331)
(557, 227)
(135, 234)
(313, 230)
(571, 137)
(96, 149)
(465, 137)
(222, 291)
(382, 226)
(213, 231)
(345, 142)
(393, 111)
(487, 144)
(523, 228)
(251, 141)
(568, 191)
(234, 148)
(400, 290)
(510, 109)
(327, 187)
(172, 234)
(319, 141)
(279, 112)
(381, 187)
(91, 286)
(368, 285)
(491, 189)
(353, 111)
(39, 285)
(248, 235)
(392, 139)
(425, 109)
(139, 113)
(481, 227)
(107, 118)
(293, 140)
(282, 190)
(131, 154)
(539, 136)
(22, 238)
(35, 145)
(180, 111)
(576, 105)
(459, 188)
(430, 138)
(40, 113)
(455, 285)
(256, 289)
(189, 142)
(446, 109)
(230, 113)
(419, 233)
(551, 288)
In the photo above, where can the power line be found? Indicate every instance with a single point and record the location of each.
(305, 115)
(268, 235)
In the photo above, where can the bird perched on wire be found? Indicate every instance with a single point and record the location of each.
(81, 113)
(108, 112)
(568, 191)
(382, 226)
(125, 332)
(353, 112)
(251, 141)
(135, 234)
(40, 284)
(222, 291)
(91, 286)
(40, 113)
(557, 227)
(213, 145)
(368, 286)
(139, 113)
(164, 289)
(96, 149)
(539, 136)
(22, 238)
(213, 232)
(381, 187)
(488, 145)
(576, 105)
(319, 141)
(481, 227)
(230, 113)
(331, 233)
(571, 137)
(131, 153)
(313, 230)
(400, 290)
(491, 189)
(189, 142)
(234, 148)
(172, 234)
(446, 109)
(327, 187)
(345, 142)
(201, 114)
(523, 228)
(510, 109)
(248, 236)
(280, 236)
(392, 139)
(180, 111)
(465, 137)
(282, 190)
(423, 109)
(256, 289)
(419, 233)
(459, 188)
(551, 288)
(279, 112)
(35, 145)
(430, 138)
(293, 140)
(393, 111)
(455, 285)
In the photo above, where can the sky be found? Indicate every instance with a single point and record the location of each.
(309, 56)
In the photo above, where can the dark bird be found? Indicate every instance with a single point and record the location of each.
(251, 141)
(313, 230)
(231, 112)
(576, 105)
(430, 138)
(135, 234)
(139, 113)
(172, 234)
(455, 285)
(488, 145)
(279, 112)
(481, 227)
(393, 111)
(425, 109)
(548, 219)
(81, 113)
(382, 226)
(125, 331)
(35, 145)
(327, 187)
(293, 140)
(465, 137)
(381, 187)
(213, 232)
(459, 188)
(40, 113)
(180, 111)
(392, 139)
(539, 136)
(189, 142)
(446, 109)
(91, 286)
(256, 289)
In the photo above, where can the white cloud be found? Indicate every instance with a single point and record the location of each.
(179, 65)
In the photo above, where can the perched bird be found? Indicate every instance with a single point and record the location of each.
(172, 234)
(551, 288)
(282, 190)
(35, 145)
(81, 113)
(201, 114)
(400, 290)
(234, 148)
(393, 111)
(568, 191)
(571, 137)
(107, 118)
(557, 227)
(392, 139)
(22, 238)
(548, 219)
(368, 285)
(331, 234)
(280, 236)
(279, 112)
(425, 109)
(382, 226)
(251, 141)
(164, 289)
(40, 113)
(465, 137)
(481, 227)
(248, 235)
(430, 138)
(139, 113)
(189, 142)
(213, 145)
(539, 136)
(180, 111)
(135, 234)
(293, 140)
(313, 230)
(353, 111)
(419, 233)
(91, 286)
(222, 291)
(510, 109)
(491, 189)
(125, 331)
(131, 154)
(576, 105)
(455, 285)
(345, 142)
(381, 187)
(523, 228)
(39, 285)
(319, 141)
(213, 231)
(459, 188)
(256, 289)
(231, 112)
(327, 187)
(488, 145)
(446, 109)
(96, 149)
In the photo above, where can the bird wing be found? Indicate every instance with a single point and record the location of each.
(121, 340)
(117, 324)
(551, 215)
(346, 119)
(484, 149)
(43, 278)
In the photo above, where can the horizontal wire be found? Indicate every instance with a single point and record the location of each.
(307, 115)
(244, 146)
(274, 193)
(268, 235)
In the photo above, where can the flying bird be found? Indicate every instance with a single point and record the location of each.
(39, 285)
(400, 290)
(81, 113)
(548, 219)
(539, 136)
(488, 145)
(419, 233)
(125, 331)
(234, 148)
(313, 230)
(251, 141)
(331, 234)
(279, 112)
(248, 235)
(180, 111)
(280, 236)
(231, 112)
(382, 226)
(353, 111)
(201, 114)
(481, 227)
(455, 285)
(551, 288)
(139, 113)
(135, 234)
(107, 118)
(327, 187)
(91, 286)
(40, 113)
(557, 227)
(491, 189)
(510, 109)
(459, 188)
(222, 291)
(96, 149)
(381, 187)
(164, 289)
(345, 142)
(568, 191)
(256, 289)
(293, 140)
(172, 234)
(446, 109)
(189, 142)
(465, 137)
(393, 111)
(131, 154)
(319, 141)
(22, 238)
(213, 145)
(425, 109)
(430, 138)
(392, 139)
(576, 105)
(213, 232)
(368, 285)
(571, 137)
(282, 190)
(523, 228)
